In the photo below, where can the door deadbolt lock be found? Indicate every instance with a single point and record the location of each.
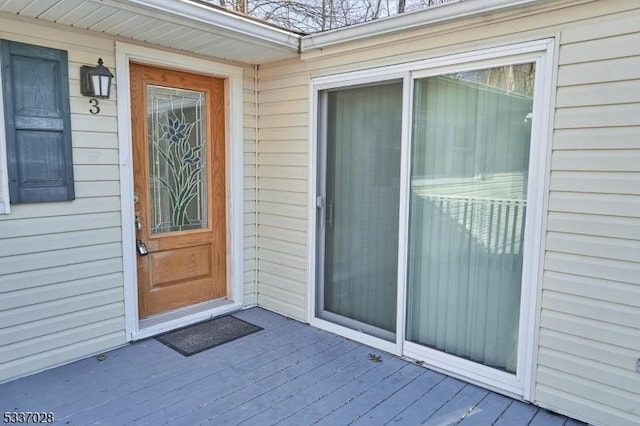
(142, 248)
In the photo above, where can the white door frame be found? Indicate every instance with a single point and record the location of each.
(542, 53)
(125, 53)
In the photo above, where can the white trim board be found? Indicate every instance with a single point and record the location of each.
(541, 52)
(4, 172)
(234, 150)
(447, 12)
(271, 36)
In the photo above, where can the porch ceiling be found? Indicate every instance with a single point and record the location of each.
(185, 25)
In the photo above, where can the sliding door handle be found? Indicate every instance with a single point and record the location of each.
(329, 214)
(320, 208)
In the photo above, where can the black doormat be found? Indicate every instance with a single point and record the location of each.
(205, 335)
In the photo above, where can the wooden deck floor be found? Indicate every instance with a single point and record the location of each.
(289, 373)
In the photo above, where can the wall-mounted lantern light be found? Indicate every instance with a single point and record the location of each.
(95, 81)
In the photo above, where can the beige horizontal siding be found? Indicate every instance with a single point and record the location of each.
(595, 203)
(590, 294)
(519, 24)
(600, 48)
(282, 190)
(601, 182)
(621, 69)
(60, 307)
(279, 221)
(81, 348)
(585, 224)
(598, 116)
(600, 406)
(292, 264)
(59, 241)
(282, 172)
(294, 185)
(250, 231)
(621, 294)
(298, 135)
(59, 323)
(591, 286)
(283, 95)
(589, 245)
(603, 138)
(581, 265)
(61, 281)
(58, 224)
(618, 92)
(282, 234)
(61, 284)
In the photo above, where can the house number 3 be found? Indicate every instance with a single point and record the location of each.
(95, 109)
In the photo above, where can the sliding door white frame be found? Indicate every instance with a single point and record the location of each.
(541, 52)
(316, 211)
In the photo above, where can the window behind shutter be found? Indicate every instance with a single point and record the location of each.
(38, 124)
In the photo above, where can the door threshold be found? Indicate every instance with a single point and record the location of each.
(182, 317)
(355, 335)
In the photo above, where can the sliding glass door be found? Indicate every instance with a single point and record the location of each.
(429, 209)
(468, 198)
(359, 205)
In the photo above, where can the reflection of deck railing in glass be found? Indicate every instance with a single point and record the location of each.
(494, 225)
(466, 271)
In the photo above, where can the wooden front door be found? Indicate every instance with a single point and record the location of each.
(178, 131)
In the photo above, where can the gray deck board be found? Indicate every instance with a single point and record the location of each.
(180, 374)
(487, 410)
(547, 418)
(429, 402)
(517, 414)
(364, 402)
(243, 402)
(276, 389)
(289, 374)
(343, 394)
(456, 409)
(319, 384)
(403, 398)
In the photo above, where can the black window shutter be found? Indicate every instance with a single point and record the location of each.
(38, 124)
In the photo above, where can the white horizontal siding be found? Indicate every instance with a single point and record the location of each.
(589, 327)
(61, 284)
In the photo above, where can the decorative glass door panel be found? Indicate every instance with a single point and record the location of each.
(179, 177)
(359, 225)
(468, 201)
(178, 159)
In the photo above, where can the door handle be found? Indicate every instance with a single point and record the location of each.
(138, 222)
(326, 212)
(320, 207)
(141, 248)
